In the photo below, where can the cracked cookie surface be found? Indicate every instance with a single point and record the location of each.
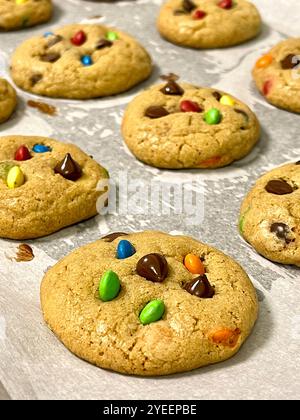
(46, 201)
(277, 75)
(172, 137)
(208, 23)
(26, 14)
(8, 100)
(192, 332)
(270, 215)
(80, 62)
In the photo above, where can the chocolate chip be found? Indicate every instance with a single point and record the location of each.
(243, 113)
(153, 267)
(298, 163)
(172, 88)
(35, 78)
(188, 5)
(200, 287)
(68, 168)
(156, 112)
(170, 76)
(217, 95)
(179, 12)
(281, 230)
(279, 187)
(112, 236)
(290, 62)
(103, 43)
(50, 57)
(54, 40)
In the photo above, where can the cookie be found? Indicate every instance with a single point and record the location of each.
(80, 62)
(15, 14)
(277, 75)
(45, 185)
(270, 215)
(149, 303)
(8, 100)
(184, 126)
(208, 23)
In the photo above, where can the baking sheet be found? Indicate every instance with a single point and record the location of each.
(33, 364)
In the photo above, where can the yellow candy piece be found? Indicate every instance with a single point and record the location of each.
(227, 100)
(21, 1)
(15, 177)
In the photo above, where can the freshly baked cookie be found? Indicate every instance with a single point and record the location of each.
(270, 215)
(16, 14)
(45, 185)
(80, 62)
(185, 126)
(8, 100)
(208, 23)
(277, 75)
(149, 303)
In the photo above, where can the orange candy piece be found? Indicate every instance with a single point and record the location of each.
(212, 161)
(194, 264)
(226, 337)
(264, 61)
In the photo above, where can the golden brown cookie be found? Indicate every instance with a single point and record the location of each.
(8, 100)
(45, 185)
(277, 75)
(184, 126)
(165, 304)
(15, 14)
(270, 215)
(208, 23)
(80, 62)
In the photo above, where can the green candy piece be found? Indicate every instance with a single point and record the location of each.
(152, 312)
(242, 221)
(112, 36)
(109, 286)
(5, 167)
(213, 116)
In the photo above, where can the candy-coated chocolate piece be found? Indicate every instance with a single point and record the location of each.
(15, 177)
(111, 36)
(213, 116)
(200, 287)
(153, 267)
(199, 14)
(86, 60)
(227, 100)
(47, 34)
(68, 168)
(41, 148)
(22, 153)
(152, 312)
(194, 264)
(125, 250)
(264, 61)
(21, 1)
(190, 106)
(79, 38)
(267, 87)
(109, 286)
(225, 4)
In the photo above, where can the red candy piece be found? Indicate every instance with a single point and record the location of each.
(22, 153)
(225, 4)
(267, 87)
(189, 106)
(79, 38)
(199, 14)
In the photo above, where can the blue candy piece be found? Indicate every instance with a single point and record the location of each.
(46, 34)
(87, 60)
(125, 250)
(41, 148)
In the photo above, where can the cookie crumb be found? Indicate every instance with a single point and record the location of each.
(43, 107)
(24, 253)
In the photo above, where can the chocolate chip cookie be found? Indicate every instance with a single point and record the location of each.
(149, 303)
(15, 14)
(8, 100)
(277, 75)
(178, 125)
(270, 215)
(80, 62)
(208, 23)
(45, 185)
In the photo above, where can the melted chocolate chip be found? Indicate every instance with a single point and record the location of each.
(153, 267)
(103, 43)
(217, 95)
(68, 168)
(170, 76)
(279, 187)
(156, 112)
(172, 88)
(281, 230)
(298, 163)
(243, 113)
(200, 287)
(54, 40)
(290, 62)
(112, 236)
(188, 5)
(50, 57)
(35, 78)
